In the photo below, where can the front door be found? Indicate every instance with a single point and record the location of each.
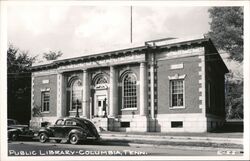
(100, 106)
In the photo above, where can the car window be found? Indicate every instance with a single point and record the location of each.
(70, 122)
(59, 122)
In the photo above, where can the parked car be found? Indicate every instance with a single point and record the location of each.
(72, 129)
(17, 131)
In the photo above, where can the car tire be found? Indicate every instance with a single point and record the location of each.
(74, 139)
(14, 136)
(43, 137)
(58, 140)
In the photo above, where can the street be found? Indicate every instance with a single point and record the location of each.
(35, 148)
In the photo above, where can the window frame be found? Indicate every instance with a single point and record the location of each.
(171, 93)
(47, 110)
(70, 89)
(123, 92)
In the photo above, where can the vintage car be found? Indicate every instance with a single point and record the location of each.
(17, 131)
(72, 129)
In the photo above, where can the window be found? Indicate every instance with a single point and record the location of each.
(176, 124)
(129, 91)
(76, 95)
(177, 93)
(125, 124)
(45, 101)
(60, 122)
(70, 123)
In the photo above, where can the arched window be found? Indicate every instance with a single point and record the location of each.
(101, 80)
(76, 94)
(129, 91)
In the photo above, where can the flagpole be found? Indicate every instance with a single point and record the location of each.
(131, 25)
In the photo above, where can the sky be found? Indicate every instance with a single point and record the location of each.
(81, 30)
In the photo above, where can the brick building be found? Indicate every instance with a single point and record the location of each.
(166, 85)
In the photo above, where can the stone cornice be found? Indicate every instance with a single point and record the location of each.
(118, 54)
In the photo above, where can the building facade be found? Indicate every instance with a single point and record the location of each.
(167, 85)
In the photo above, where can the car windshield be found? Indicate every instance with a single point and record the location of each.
(59, 122)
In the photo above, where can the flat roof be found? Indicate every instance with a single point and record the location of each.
(160, 43)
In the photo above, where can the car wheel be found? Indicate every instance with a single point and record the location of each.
(14, 136)
(74, 139)
(58, 140)
(43, 137)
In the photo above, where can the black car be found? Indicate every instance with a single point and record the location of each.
(17, 131)
(72, 129)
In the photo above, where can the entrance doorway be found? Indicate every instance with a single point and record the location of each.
(101, 105)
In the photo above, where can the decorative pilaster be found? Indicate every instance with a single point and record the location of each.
(113, 108)
(59, 95)
(143, 89)
(152, 91)
(202, 97)
(85, 95)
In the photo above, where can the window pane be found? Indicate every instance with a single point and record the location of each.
(129, 91)
(176, 92)
(45, 100)
(76, 96)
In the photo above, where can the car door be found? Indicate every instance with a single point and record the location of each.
(58, 128)
(69, 125)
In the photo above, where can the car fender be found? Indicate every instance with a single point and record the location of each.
(81, 133)
(46, 131)
(11, 131)
(14, 130)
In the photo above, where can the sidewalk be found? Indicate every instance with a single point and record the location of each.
(212, 140)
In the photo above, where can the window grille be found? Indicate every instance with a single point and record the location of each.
(45, 101)
(176, 92)
(129, 91)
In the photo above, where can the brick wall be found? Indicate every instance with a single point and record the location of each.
(191, 84)
(45, 82)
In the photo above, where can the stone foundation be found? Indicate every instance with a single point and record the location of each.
(190, 123)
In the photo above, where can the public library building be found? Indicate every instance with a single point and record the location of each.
(166, 85)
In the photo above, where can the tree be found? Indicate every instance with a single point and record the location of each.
(227, 30)
(227, 34)
(52, 55)
(19, 84)
(234, 98)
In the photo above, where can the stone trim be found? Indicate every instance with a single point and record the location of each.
(135, 58)
(202, 88)
(45, 72)
(192, 122)
(177, 76)
(59, 96)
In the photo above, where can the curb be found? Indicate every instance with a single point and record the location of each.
(170, 146)
(174, 138)
(158, 143)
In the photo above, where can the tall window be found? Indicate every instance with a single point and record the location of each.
(129, 91)
(177, 93)
(45, 101)
(76, 95)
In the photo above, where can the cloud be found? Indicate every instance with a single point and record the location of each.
(80, 30)
(103, 23)
(37, 19)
